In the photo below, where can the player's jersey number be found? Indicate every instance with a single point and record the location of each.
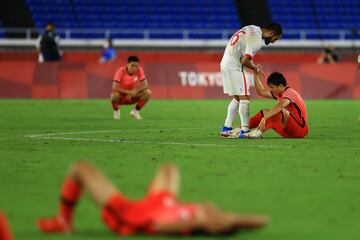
(236, 37)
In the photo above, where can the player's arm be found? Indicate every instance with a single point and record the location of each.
(143, 86)
(183, 226)
(273, 111)
(247, 59)
(118, 89)
(260, 88)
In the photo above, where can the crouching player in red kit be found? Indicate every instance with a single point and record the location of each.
(287, 118)
(129, 87)
(158, 213)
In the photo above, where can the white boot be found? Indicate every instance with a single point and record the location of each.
(117, 114)
(135, 114)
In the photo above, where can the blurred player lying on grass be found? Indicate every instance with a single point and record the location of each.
(129, 87)
(287, 118)
(159, 212)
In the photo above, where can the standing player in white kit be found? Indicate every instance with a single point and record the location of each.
(238, 56)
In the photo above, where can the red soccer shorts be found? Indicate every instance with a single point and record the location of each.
(296, 128)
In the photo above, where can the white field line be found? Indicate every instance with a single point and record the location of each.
(55, 136)
(114, 131)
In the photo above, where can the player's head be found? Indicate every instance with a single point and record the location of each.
(108, 43)
(272, 33)
(277, 83)
(132, 64)
(50, 26)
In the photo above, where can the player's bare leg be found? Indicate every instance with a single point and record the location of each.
(115, 99)
(167, 178)
(81, 176)
(144, 97)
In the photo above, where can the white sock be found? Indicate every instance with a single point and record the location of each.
(244, 112)
(231, 113)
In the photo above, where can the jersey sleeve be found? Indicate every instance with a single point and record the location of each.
(118, 75)
(141, 75)
(249, 45)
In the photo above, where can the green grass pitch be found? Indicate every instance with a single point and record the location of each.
(310, 188)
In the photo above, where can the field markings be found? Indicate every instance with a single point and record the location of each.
(57, 136)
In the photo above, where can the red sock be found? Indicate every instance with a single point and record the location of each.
(140, 105)
(255, 120)
(115, 105)
(70, 193)
(5, 233)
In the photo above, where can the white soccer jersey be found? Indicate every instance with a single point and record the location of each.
(246, 41)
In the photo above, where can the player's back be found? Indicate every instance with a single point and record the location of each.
(247, 40)
(297, 106)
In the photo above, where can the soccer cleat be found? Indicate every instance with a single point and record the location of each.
(231, 134)
(243, 134)
(135, 114)
(224, 132)
(54, 225)
(117, 114)
(255, 134)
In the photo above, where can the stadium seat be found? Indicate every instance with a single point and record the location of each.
(179, 15)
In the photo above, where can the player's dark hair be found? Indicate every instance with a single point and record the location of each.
(50, 24)
(275, 27)
(133, 59)
(276, 79)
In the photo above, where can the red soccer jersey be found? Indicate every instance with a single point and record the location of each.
(129, 81)
(129, 217)
(297, 106)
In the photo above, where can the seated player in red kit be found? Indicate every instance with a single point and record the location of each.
(287, 118)
(5, 233)
(129, 87)
(159, 212)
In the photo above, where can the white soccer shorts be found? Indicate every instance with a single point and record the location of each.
(236, 83)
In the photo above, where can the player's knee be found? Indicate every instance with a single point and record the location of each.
(146, 94)
(265, 111)
(115, 96)
(168, 169)
(80, 165)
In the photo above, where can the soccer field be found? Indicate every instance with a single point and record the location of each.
(308, 187)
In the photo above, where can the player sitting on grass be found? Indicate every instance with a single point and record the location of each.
(130, 86)
(158, 213)
(287, 118)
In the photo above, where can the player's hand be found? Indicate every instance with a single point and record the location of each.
(128, 97)
(132, 93)
(262, 124)
(259, 71)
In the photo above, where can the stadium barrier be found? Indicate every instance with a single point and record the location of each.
(170, 75)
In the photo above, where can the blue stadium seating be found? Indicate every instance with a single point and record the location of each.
(137, 14)
(317, 15)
